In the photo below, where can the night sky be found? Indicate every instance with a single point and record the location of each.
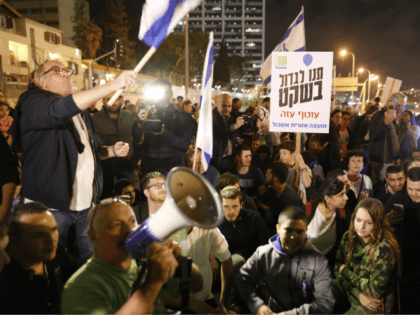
(382, 34)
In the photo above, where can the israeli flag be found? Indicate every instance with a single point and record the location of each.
(293, 40)
(205, 121)
(159, 18)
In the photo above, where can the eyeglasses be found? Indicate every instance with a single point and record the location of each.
(57, 70)
(158, 185)
(122, 199)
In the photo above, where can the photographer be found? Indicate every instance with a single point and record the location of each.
(167, 132)
(252, 126)
(224, 125)
(384, 146)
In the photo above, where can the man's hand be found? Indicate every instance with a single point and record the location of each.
(161, 263)
(366, 137)
(369, 302)
(221, 309)
(389, 117)
(299, 158)
(394, 218)
(240, 121)
(264, 309)
(125, 80)
(121, 149)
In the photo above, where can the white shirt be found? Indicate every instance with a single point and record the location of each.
(201, 244)
(367, 187)
(85, 170)
(322, 232)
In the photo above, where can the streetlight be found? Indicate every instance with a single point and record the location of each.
(361, 70)
(343, 53)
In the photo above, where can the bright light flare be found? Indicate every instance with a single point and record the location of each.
(154, 93)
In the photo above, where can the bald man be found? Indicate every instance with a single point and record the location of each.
(102, 285)
(61, 155)
(223, 128)
(113, 125)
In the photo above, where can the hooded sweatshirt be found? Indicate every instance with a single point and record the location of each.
(298, 284)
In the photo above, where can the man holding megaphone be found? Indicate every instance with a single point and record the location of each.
(103, 283)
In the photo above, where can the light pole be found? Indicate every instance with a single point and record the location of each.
(343, 53)
(361, 70)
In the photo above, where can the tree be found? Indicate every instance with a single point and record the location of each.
(221, 66)
(170, 57)
(237, 66)
(115, 26)
(86, 35)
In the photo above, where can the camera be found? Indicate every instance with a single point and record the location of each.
(154, 97)
(250, 121)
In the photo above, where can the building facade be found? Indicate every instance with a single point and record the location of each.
(55, 13)
(241, 23)
(26, 44)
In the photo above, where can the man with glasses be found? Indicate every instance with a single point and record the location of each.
(113, 125)
(153, 185)
(60, 152)
(224, 126)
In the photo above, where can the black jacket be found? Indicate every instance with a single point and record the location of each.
(123, 129)
(8, 165)
(21, 292)
(221, 136)
(408, 234)
(44, 131)
(162, 152)
(246, 233)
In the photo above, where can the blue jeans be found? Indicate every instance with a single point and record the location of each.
(79, 219)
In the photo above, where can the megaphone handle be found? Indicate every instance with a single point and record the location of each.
(184, 283)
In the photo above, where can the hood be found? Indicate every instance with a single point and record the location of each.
(276, 244)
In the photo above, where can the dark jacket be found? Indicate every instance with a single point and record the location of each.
(361, 133)
(8, 166)
(289, 197)
(407, 234)
(383, 194)
(245, 234)
(122, 129)
(21, 292)
(43, 129)
(163, 152)
(221, 136)
(329, 157)
(381, 136)
(342, 224)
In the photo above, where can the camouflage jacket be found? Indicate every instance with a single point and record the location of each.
(374, 279)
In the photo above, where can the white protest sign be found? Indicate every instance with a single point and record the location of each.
(301, 92)
(391, 86)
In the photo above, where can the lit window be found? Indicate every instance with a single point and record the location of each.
(2, 21)
(52, 38)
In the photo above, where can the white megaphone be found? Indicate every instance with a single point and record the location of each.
(190, 201)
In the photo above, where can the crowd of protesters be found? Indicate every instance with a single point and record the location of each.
(329, 227)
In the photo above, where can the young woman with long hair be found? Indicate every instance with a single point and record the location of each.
(367, 262)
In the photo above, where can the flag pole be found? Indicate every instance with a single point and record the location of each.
(298, 135)
(137, 69)
(186, 57)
